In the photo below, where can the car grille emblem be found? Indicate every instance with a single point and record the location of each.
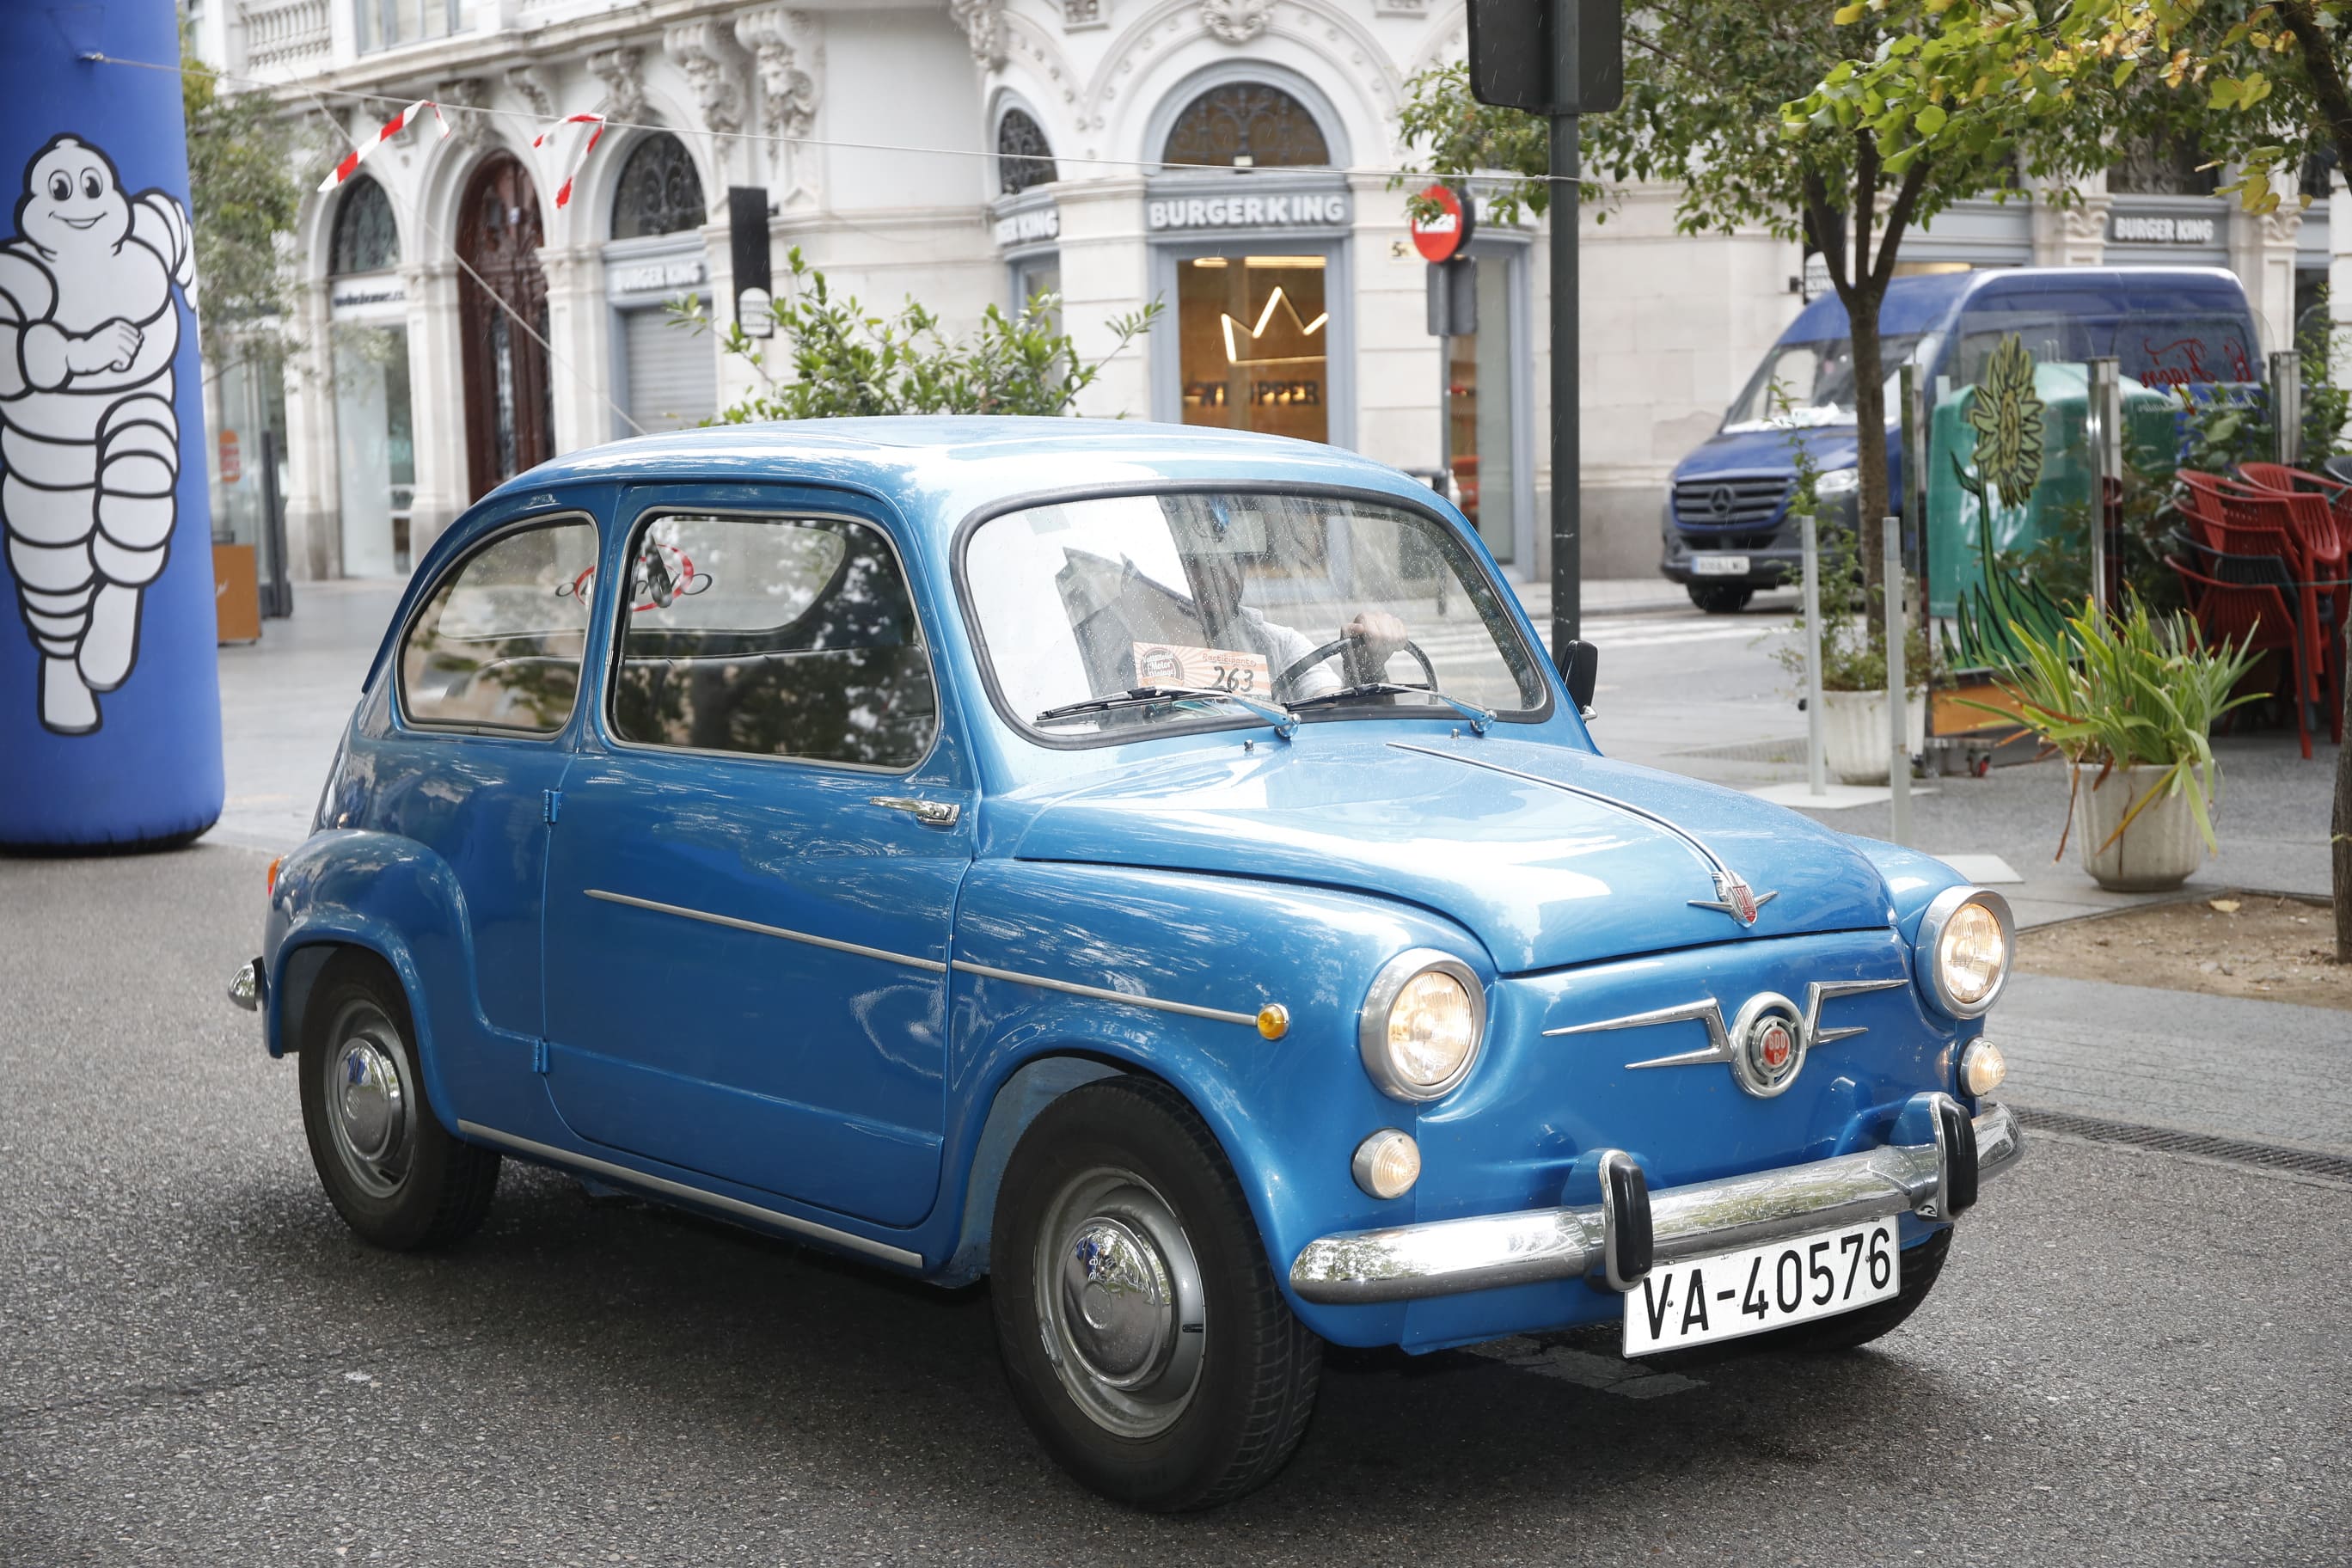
(1765, 1045)
(1720, 500)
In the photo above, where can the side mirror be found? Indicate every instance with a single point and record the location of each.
(1579, 666)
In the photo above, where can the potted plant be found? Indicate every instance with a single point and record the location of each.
(2129, 701)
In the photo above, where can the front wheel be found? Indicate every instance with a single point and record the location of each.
(392, 1171)
(1143, 1334)
(1720, 598)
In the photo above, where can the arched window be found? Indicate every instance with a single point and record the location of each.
(659, 191)
(1024, 157)
(1246, 125)
(366, 241)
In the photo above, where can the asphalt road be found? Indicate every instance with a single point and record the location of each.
(2131, 1358)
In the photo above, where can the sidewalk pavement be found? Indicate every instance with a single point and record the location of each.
(2269, 1072)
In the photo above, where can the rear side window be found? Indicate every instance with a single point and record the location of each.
(498, 646)
(774, 636)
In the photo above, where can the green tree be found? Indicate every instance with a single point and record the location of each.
(846, 361)
(243, 199)
(1752, 108)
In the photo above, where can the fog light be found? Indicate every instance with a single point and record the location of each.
(1388, 1163)
(1982, 1067)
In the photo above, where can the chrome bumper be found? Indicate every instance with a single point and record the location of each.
(1486, 1252)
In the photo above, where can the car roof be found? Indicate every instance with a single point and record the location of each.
(937, 469)
(1916, 304)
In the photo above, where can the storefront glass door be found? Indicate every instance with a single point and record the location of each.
(377, 446)
(1481, 417)
(1254, 344)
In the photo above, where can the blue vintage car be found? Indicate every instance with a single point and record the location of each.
(1156, 870)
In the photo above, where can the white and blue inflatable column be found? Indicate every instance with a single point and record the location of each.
(109, 698)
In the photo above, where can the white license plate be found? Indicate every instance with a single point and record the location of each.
(1718, 565)
(1702, 1299)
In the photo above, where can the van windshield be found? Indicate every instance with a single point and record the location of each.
(1803, 384)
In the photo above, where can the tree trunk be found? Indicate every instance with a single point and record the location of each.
(1871, 504)
(2324, 72)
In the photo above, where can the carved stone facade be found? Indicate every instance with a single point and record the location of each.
(706, 52)
(621, 70)
(1236, 21)
(788, 62)
(984, 23)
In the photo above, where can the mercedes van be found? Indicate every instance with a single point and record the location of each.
(1728, 532)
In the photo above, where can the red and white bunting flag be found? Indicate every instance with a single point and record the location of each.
(392, 128)
(563, 192)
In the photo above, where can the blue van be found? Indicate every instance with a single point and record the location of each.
(1728, 532)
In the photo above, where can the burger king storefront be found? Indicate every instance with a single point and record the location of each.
(1292, 301)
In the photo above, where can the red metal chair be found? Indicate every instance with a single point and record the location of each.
(2321, 509)
(2230, 612)
(2227, 520)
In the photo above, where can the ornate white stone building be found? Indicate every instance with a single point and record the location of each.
(973, 152)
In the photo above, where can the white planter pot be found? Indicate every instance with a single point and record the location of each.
(1855, 738)
(2159, 849)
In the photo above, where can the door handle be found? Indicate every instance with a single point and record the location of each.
(930, 813)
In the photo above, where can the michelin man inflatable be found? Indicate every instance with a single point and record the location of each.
(109, 689)
(89, 445)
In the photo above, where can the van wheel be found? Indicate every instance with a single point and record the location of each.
(1720, 598)
(1143, 1334)
(392, 1171)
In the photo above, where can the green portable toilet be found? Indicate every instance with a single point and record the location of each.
(2058, 503)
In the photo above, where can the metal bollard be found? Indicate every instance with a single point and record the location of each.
(1816, 764)
(1899, 773)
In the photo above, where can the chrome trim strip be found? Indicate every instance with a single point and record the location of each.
(1488, 1252)
(1716, 864)
(1710, 1012)
(1099, 994)
(881, 1251)
(928, 965)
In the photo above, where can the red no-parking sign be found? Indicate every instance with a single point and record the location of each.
(1441, 235)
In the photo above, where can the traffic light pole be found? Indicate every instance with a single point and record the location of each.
(1567, 472)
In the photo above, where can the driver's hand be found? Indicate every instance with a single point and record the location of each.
(1378, 635)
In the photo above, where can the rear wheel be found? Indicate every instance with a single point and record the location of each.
(1143, 1334)
(391, 1170)
(1720, 598)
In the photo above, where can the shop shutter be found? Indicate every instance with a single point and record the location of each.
(672, 380)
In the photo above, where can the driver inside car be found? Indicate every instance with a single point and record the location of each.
(1372, 636)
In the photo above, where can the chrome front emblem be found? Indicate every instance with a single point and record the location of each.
(1764, 1046)
(1720, 500)
(1735, 897)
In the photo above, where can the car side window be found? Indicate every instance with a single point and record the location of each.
(499, 644)
(776, 636)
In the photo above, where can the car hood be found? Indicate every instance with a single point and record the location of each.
(1550, 856)
(1750, 452)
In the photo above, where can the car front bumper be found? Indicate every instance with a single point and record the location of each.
(1486, 1252)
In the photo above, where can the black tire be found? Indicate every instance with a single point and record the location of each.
(1122, 1175)
(1720, 598)
(392, 1171)
(1921, 1267)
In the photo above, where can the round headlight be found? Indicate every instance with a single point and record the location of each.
(1965, 947)
(1421, 1024)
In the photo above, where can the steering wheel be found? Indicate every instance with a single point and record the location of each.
(1305, 662)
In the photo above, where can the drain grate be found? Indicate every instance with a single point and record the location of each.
(2165, 1140)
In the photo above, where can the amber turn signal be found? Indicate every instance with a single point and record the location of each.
(1274, 1020)
(275, 862)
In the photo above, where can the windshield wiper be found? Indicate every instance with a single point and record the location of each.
(1283, 721)
(1479, 717)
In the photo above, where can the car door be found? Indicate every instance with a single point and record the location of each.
(753, 871)
(486, 675)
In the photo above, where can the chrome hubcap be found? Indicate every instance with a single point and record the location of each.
(370, 1112)
(1118, 1291)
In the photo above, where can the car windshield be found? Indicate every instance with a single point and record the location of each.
(1800, 385)
(1275, 598)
